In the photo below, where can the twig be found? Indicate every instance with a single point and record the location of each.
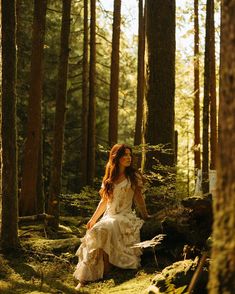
(197, 273)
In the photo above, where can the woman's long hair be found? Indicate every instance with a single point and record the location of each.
(112, 170)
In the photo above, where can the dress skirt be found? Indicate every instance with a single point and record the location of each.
(115, 234)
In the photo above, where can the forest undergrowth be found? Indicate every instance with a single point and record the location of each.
(46, 262)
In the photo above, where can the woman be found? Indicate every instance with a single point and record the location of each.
(110, 240)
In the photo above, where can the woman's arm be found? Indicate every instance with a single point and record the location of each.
(140, 203)
(98, 212)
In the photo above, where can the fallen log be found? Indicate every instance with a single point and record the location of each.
(37, 217)
(188, 223)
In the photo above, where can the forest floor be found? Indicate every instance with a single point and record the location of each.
(46, 264)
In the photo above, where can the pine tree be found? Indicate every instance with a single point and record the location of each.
(28, 197)
(59, 123)
(222, 270)
(160, 93)
(114, 80)
(9, 230)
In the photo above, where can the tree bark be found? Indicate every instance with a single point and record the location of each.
(28, 198)
(1, 130)
(40, 182)
(92, 97)
(197, 140)
(9, 231)
(160, 79)
(206, 99)
(222, 270)
(85, 77)
(61, 97)
(114, 79)
(140, 77)
(213, 104)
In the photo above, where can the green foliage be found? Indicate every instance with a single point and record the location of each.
(82, 204)
(172, 289)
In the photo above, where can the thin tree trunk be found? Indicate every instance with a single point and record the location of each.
(207, 79)
(92, 98)
(85, 73)
(114, 80)
(9, 232)
(28, 199)
(222, 269)
(1, 128)
(140, 77)
(40, 183)
(197, 141)
(213, 108)
(56, 169)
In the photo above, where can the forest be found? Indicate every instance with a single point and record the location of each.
(78, 77)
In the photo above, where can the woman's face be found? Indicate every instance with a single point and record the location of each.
(125, 160)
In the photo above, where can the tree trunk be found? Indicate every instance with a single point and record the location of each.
(140, 78)
(56, 169)
(92, 98)
(213, 108)
(160, 79)
(207, 82)
(114, 79)
(85, 73)
(28, 199)
(40, 182)
(9, 232)
(222, 270)
(1, 130)
(197, 141)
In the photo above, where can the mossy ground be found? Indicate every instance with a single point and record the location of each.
(46, 265)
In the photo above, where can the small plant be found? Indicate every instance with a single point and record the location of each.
(173, 290)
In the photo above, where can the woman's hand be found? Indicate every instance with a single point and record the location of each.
(90, 224)
(97, 214)
(147, 217)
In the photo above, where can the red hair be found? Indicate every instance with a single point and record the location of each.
(112, 169)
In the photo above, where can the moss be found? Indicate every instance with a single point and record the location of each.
(176, 275)
(47, 265)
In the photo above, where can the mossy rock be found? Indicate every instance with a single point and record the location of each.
(178, 276)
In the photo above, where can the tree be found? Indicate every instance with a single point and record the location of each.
(160, 78)
(140, 77)
(9, 230)
(1, 132)
(28, 198)
(85, 69)
(207, 95)
(197, 152)
(222, 270)
(92, 97)
(58, 144)
(213, 104)
(114, 79)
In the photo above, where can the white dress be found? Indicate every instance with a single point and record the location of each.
(115, 233)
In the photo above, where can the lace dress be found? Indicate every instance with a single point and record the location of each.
(114, 233)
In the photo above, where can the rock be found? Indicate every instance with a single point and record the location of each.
(178, 275)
